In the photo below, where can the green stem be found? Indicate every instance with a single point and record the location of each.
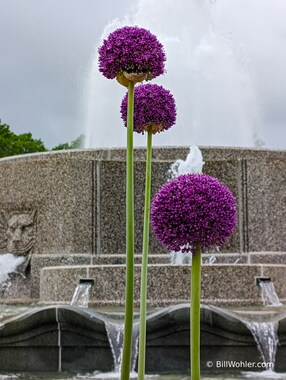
(143, 291)
(129, 286)
(195, 313)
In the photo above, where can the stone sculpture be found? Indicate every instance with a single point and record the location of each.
(18, 231)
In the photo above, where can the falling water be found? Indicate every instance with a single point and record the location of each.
(206, 70)
(263, 328)
(266, 338)
(81, 295)
(268, 294)
(115, 333)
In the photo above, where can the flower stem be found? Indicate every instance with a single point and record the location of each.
(143, 290)
(129, 286)
(195, 313)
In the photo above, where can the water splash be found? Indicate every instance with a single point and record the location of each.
(81, 295)
(206, 71)
(193, 164)
(8, 264)
(263, 375)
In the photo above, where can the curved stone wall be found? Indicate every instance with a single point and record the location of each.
(65, 338)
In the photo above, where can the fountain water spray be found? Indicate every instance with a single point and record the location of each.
(8, 264)
(193, 163)
(207, 73)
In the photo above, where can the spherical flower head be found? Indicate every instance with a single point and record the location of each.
(131, 51)
(193, 209)
(154, 108)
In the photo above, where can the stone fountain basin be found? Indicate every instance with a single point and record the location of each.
(222, 284)
(68, 338)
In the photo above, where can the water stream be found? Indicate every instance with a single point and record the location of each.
(81, 295)
(115, 333)
(268, 293)
(265, 335)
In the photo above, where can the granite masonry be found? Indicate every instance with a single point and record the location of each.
(67, 208)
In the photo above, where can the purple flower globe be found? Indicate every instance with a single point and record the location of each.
(131, 51)
(193, 209)
(154, 107)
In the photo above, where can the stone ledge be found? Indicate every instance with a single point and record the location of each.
(167, 284)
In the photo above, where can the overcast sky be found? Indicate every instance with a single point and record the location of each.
(47, 47)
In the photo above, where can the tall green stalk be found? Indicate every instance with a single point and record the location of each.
(129, 285)
(143, 290)
(195, 313)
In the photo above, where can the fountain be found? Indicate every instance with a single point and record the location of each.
(68, 194)
(220, 106)
(62, 212)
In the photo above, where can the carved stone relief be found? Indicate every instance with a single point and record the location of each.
(18, 231)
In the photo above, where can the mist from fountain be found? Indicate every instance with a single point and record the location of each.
(8, 264)
(206, 72)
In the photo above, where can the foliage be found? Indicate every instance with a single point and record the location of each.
(76, 144)
(12, 144)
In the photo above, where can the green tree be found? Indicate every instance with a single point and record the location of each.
(12, 144)
(77, 143)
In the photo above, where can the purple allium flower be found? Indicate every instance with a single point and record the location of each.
(131, 50)
(193, 209)
(154, 107)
